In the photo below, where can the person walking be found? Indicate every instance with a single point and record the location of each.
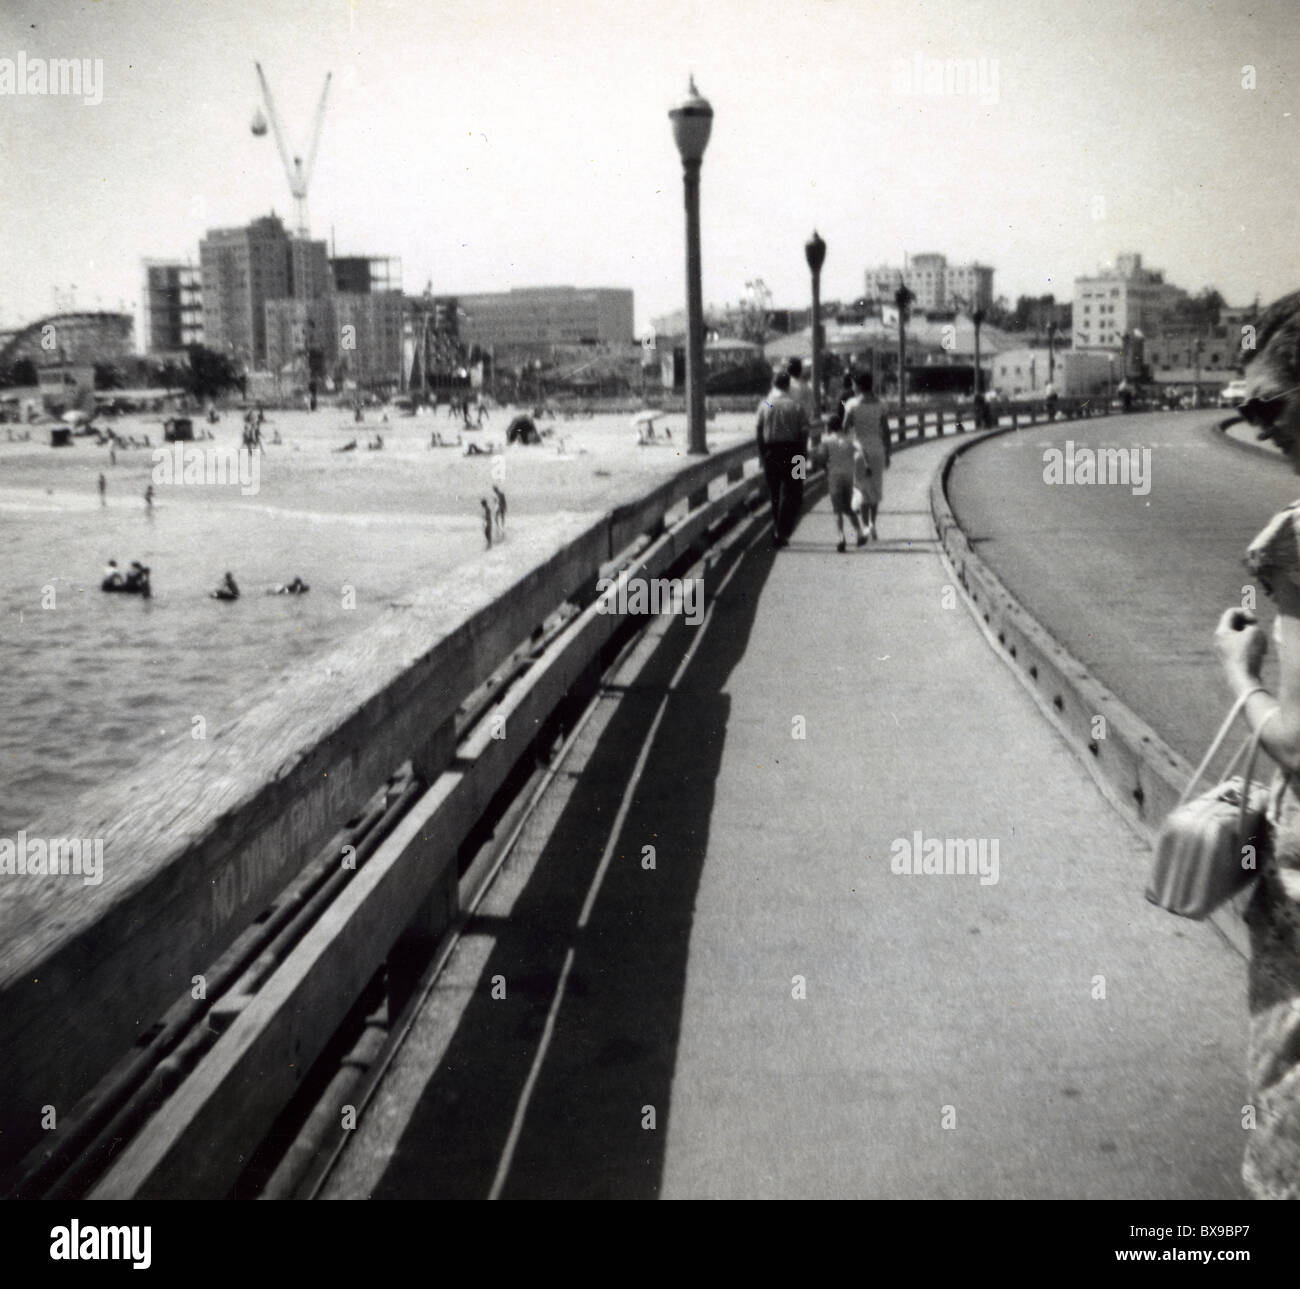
(103, 489)
(500, 509)
(865, 421)
(800, 390)
(845, 464)
(1271, 1166)
(782, 432)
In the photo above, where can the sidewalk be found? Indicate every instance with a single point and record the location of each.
(930, 1000)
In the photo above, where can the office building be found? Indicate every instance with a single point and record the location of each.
(243, 268)
(172, 311)
(1120, 300)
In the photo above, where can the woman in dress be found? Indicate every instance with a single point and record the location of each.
(864, 420)
(1271, 1169)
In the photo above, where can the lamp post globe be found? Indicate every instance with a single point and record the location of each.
(815, 253)
(692, 122)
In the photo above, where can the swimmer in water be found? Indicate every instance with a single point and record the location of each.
(296, 587)
(226, 589)
(137, 579)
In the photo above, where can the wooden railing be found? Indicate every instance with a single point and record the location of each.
(197, 843)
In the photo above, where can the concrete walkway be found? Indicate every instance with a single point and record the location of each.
(803, 1020)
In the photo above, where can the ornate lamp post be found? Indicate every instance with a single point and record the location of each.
(815, 253)
(692, 121)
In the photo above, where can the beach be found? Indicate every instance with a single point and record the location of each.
(96, 682)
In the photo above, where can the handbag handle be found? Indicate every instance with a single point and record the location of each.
(1250, 771)
(1217, 744)
(1251, 742)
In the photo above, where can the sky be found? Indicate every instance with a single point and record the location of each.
(500, 143)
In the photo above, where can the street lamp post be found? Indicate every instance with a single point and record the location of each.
(815, 253)
(692, 121)
(902, 299)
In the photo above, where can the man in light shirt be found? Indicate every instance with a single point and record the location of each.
(800, 390)
(782, 432)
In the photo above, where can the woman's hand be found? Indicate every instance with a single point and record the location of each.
(1240, 644)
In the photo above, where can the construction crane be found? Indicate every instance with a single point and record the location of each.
(299, 175)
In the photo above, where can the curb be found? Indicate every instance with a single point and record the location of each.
(1259, 448)
(1137, 771)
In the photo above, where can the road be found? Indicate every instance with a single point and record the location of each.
(1132, 585)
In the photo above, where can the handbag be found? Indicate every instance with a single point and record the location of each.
(1198, 863)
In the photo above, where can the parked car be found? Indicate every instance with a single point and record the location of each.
(1233, 394)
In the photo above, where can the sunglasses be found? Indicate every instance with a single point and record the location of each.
(1263, 412)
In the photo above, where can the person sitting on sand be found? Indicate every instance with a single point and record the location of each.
(226, 589)
(112, 576)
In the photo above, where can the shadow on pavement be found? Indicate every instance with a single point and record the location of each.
(614, 1046)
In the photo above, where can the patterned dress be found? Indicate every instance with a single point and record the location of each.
(1271, 1169)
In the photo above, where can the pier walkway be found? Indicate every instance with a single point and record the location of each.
(698, 974)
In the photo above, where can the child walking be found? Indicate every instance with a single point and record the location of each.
(845, 466)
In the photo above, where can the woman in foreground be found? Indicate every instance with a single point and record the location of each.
(1271, 1169)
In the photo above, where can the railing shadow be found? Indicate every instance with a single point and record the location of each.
(569, 1108)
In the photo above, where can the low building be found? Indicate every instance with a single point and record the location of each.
(534, 320)
(1074, 373)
